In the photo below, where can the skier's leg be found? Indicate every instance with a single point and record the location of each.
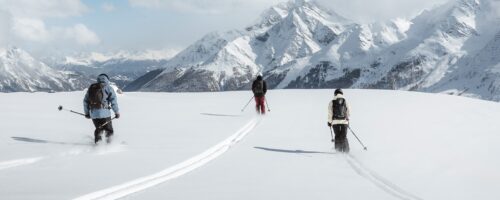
(345, 143)
(257, 104)
(98, 131)
(109, 130)
(337, 130)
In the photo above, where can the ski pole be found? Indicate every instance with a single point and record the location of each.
(331, 132)
(61, 108)
(107, 123)
(364, 147)
(247, 104)
(268, 108)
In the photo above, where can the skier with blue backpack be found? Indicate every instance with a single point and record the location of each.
(338, 120)
(99, 100)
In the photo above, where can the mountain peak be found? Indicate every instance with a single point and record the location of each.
(314, 8)
(280, 11)
(13, 52)
(22, 72)
(298, 3)
(458, 19)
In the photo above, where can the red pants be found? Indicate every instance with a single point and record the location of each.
(260, 105)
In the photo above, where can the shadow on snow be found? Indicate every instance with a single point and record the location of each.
(219, 115)
(293, 151)
(33, 140)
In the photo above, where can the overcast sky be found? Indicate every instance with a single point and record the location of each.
(50, 26)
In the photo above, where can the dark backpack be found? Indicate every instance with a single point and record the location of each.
(96, 95)
(339, 109)
(259, 88)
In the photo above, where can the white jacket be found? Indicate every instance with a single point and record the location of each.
(330, 112)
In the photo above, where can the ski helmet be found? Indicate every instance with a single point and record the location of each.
(104, 75)
(259, 77)
(338, 91)
(102, 78)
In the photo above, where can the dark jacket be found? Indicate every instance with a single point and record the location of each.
(255, 83)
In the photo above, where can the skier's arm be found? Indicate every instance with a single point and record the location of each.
(113, 100)
(330, 112)
(86, 109)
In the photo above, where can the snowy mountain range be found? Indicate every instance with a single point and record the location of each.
(19, 71)
(300, 44)
(123, 67)
(450, 49)
(22, 72)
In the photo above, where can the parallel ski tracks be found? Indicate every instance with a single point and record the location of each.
(19, 162)
(140, 184)
(378, 180)
(27, 161)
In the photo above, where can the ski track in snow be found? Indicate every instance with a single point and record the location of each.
(378, 180)
(220, 115)
(128, 188)
(98, 150)
(19, 162)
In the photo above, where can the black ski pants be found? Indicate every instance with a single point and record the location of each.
(99, 128)
(341, 143)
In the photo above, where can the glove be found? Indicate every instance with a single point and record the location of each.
(329, 124)
(87, 116)
(117, 115)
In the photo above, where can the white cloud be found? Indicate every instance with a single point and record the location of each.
(359, 10)
(81, 35)
(108, 7)
(496, 7)
(24, 22)
(43, 8)
(204, 6)
(31, 29)
(379, 10)
(5, 27)
(35, 30)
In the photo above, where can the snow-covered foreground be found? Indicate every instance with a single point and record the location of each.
(200, 146)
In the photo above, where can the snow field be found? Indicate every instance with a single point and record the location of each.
(199, 146)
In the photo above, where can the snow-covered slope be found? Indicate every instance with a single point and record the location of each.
(199, 146)
(437, 42)
(438, 51)
(20, 72)
(478, 74)
(301, 44)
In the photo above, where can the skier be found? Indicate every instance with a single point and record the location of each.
(259, 89)
(99, 100)
(338, 119)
